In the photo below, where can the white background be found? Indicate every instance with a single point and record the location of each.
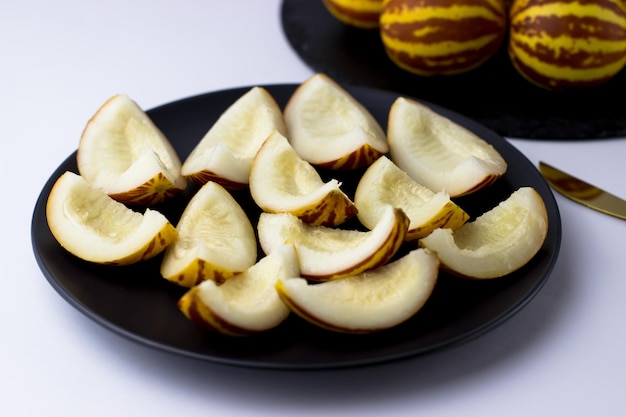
(60, 60)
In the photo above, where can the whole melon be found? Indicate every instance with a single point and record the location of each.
(442, 37)
(568, 44)
(363, 14)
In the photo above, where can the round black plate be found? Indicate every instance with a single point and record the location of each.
(493, 94)
(137, 303)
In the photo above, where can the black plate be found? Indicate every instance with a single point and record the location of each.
(137, 303)
(494, 94)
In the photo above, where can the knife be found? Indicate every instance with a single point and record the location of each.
(582, 192)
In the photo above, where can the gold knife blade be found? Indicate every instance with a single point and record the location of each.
(582, 192)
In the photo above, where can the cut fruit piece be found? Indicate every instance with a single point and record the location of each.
(226, 151)
(123, 152)
(246, 303)
(282, 182)
(329, 128)
(497, 243)
(439, 153)
(384, 183)
(327, 253)
(215, 240)
(368, 302)
(92, 226)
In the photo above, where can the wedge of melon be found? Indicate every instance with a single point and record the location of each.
(367, 302)
(498, 242)
(123, 152)
(225, 153)
(384, 183)
(439, 153)
(329, 128)
(282, 182)
(215, 239)
(246, 303)
(94, 227)
(327, 253)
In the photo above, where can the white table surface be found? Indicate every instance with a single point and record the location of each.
(562, 355)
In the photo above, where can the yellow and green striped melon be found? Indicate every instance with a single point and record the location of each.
(442, 37)
(363, 14)
(568, 44)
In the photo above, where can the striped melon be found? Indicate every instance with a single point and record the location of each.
(363, 14)
(431, 37)
(567, 44)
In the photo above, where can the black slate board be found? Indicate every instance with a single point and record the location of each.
(494, 94)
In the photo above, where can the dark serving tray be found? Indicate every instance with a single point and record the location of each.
(494, 94)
